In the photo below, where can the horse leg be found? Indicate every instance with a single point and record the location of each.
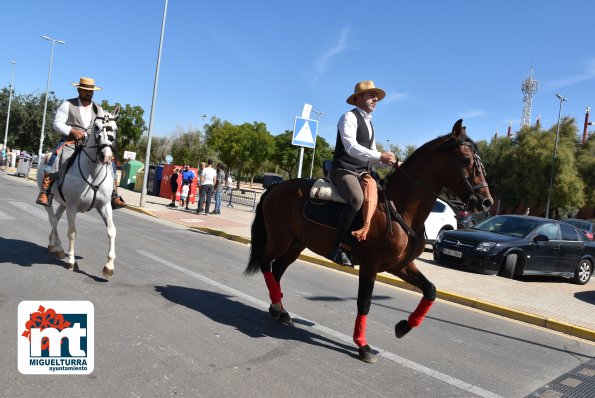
(106, 215)
(272, 278)
(364, 301)
(412, 275)
(55, 245)
(71, 215)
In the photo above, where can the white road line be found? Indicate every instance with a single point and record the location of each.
(460, 384)
(39, 212)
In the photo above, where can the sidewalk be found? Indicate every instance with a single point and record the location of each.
(551, 303)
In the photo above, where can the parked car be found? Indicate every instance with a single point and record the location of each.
(466, 219)
(584, 225)
(512, 245)
(441, 218)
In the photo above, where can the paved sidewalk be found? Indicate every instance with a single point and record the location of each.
(551, 303)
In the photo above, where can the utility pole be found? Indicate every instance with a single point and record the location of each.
(314, 149)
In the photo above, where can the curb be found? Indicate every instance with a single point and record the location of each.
(485, 306)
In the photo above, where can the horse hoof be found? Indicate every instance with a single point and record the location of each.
(402, 328)
(367, 355)
(73, 267)
(60, 255)
(280, 315)
(52, 248)
(108, 273)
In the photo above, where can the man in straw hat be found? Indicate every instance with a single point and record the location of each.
(355, 152)
(74, 120)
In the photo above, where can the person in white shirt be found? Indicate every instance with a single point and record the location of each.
(355, 152)
(207, 180)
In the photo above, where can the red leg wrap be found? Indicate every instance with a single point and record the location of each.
(274, 287)
(417, 316)
(359, 332)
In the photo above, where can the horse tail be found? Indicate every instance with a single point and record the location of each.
(258, 239)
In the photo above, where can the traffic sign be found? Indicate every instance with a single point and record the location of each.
(169, 159)
(304, 132)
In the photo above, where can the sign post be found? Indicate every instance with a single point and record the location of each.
(304, 135)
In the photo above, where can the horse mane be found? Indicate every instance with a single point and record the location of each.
(442, 143)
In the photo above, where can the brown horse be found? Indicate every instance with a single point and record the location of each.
(280, 232)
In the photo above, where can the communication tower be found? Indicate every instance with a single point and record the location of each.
(528, 87)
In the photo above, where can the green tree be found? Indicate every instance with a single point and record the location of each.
(257, 145)
(585, 162)
(285, 155)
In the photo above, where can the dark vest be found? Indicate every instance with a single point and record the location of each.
(74, 116)
(342, 159)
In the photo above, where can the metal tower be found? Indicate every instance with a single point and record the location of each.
(528, 87)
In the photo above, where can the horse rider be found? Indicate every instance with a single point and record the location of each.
(355, 152)
(74, 120)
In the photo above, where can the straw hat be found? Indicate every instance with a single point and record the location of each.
(363, 87)
(86, 83)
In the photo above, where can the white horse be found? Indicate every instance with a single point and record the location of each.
(87, 185)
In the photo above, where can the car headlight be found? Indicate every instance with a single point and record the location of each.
(485, 246)
(439, 237)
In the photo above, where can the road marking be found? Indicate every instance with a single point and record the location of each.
(460, 384)
(39, 212)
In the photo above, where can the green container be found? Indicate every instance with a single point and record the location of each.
(129, 170)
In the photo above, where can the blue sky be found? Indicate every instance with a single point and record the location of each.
(261, 61)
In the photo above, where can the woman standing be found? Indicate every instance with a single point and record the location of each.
(173, 181)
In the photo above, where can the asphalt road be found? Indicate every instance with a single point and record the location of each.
(179, 318)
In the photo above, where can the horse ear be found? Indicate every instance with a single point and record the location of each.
(458, 129)
(116, 111)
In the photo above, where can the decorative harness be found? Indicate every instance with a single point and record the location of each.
(81, 147)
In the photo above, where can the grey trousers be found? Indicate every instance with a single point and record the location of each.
(348, 185)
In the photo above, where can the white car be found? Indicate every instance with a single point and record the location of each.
(441, 218)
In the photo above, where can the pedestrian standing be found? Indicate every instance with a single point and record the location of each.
(219, 182)
(184, 195)
(187, 178)
(173, 183)
(207, 180)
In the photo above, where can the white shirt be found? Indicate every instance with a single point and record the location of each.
(62, 117)
(208, 176)
(348, 131)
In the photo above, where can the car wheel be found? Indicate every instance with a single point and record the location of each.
(583, 272)
(507, 270)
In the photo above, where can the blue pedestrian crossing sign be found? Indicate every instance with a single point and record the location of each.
(304, 132)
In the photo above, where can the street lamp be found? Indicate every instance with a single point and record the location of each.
(204, 116)
(143, 191)
(549, 194)
(387, 144)
(9, 102)
(314, 149)
(47, 88)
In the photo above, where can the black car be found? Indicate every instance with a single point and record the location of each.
(588, 227)
(512, 245)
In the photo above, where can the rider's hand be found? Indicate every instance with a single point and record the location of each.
(388, 158)
(76, 134)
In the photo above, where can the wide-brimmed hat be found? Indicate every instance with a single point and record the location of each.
(86, 83)
(363, 87)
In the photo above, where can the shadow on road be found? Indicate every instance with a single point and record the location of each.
(251, 321)
(25, 254)
(587, 297)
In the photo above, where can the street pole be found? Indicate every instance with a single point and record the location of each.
(143, 192)
(9, 103)
(204, 116)
(549, 194)
(47, 89)
(314, 149)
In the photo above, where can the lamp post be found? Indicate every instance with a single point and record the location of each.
(143, 191)
(314, 149)
(9, 102)
(204, 116)
(47, 89)
(549, 194)
(388, 144)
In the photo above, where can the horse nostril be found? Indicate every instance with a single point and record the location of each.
(486, 203)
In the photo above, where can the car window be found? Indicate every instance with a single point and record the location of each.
(579, 224)
(549, 229)
(513, 226)
(438, 207)
(569, 233)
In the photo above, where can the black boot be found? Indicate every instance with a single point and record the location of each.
(337, 255)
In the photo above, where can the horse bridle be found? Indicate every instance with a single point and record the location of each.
(100, 147)
(471, 189)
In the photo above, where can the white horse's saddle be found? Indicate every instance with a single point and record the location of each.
(323, 189)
